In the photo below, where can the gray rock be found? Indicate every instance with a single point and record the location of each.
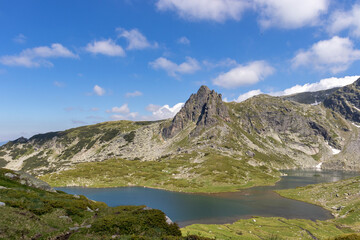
(168, 220)
(89, 209)
(2, 204)
(2, 187)
(10, 175)
(203, 108)
(147, 208)
(76, 196)
(250, 154)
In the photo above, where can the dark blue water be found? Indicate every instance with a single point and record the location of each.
(221, 208)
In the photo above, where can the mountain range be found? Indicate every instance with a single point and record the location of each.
(210, 145)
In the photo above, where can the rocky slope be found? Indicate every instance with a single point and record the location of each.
(251, 140)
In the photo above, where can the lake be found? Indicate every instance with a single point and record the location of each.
(220, 208)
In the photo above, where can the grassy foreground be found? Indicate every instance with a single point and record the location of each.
(341, 198)
(181, 174)
(31, 213)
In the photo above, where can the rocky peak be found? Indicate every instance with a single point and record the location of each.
(205, 108)
(346, 101)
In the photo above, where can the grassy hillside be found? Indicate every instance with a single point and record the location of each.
(341, 198)
(215, 173)
(32, 213)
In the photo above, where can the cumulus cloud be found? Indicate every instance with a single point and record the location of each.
(36, 57)
(99, 90)
(129, 116)
(244, 75)
(228, 62)
(122, 109)
(105, 47)
(20, 38)
(342, 20)
(184, 40)
(334, 55)
(290, 13)
(323, 84)
(191, 65)
(135, 39)
(163, 112)
(134, 94)
(215, 10)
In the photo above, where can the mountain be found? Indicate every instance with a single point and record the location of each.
(346, 101)
(209, 146)
(310, 97)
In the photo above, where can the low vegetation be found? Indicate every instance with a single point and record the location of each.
(39, 214)
(214, 173)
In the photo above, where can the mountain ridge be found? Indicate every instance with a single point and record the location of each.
(250, 140)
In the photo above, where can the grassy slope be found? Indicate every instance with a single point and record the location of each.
(38, 214)
(328, 195)
(215, 174)
(344, 194)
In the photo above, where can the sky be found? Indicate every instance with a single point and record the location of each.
(69, 63)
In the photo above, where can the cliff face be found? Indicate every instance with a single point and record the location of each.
(205, 109)
(346, 101)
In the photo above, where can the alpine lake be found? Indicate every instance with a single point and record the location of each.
(220, 208)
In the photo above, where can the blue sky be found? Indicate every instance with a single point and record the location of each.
(67, 63)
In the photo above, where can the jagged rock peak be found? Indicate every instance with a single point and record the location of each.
(205, 108)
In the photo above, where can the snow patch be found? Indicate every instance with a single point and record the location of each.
(315, 103)
(358, 126)
(334, 150)
(318, 167)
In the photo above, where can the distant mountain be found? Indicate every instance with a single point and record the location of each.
(310, 97)
(209, 145)
(346, 101)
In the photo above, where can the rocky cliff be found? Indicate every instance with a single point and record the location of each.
(205, 109)
(346, 101)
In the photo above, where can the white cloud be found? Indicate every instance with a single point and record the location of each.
(215, 10)
(191, 65)
(164, 112)
(228, 62)
(334, 55)
(36, 57)
(136, 39)
(184, 40)
(247, 95)
(244, 75)
(342, 20)
(20, 38)
(152, 108)
(99, 90)
(323, 84)
(290, 13)
(134, 94)
(105, 47)
(122, 109)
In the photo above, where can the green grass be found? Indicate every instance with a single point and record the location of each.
(268, 228)
(215, 173)
(31, 213)
(344, 193)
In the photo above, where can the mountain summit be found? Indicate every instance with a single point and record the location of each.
(205, 108)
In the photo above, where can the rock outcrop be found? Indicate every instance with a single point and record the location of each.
(346, 101)
(205, 109)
